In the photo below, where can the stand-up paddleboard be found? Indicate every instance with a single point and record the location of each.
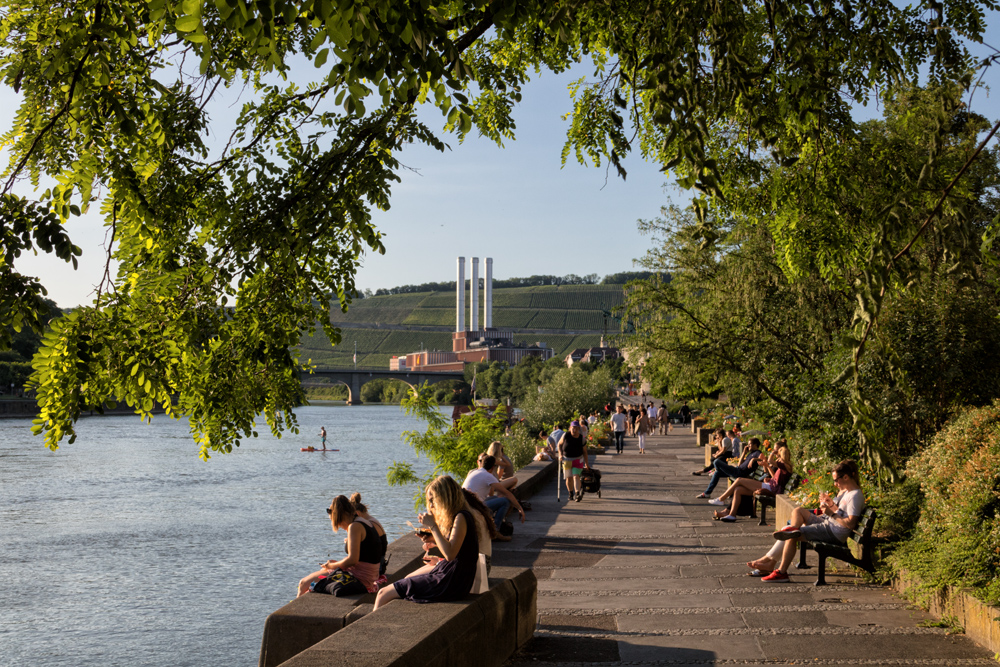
(313, 449)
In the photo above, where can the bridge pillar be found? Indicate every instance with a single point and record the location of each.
(355, 397)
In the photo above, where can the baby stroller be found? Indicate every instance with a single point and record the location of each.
(590, 479)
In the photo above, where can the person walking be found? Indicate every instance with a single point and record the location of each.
(617, 424)
(663, 421)
(573, 454)
(642, 429)
(686, 413)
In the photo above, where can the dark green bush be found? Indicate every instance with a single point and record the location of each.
(12, 372)
(899, 510)
(957, 539)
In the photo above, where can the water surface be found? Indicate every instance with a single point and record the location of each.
(124, 548)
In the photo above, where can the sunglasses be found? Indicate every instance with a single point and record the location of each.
(329, 510)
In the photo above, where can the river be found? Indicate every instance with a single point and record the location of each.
(124, 548)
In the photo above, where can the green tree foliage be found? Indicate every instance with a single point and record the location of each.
(226, 255)
(776, 330)
(452, 450)
(570, 391)
(25, 342)
(384, 391)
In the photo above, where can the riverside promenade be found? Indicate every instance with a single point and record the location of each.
(644, 576)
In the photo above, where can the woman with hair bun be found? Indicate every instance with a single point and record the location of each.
(366, 542)
(454, 529)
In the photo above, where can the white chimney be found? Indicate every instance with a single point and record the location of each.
(474, 286)
(488, 299)
(460, 296)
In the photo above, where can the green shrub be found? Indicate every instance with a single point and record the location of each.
(957, 539)
(899, 510)
(519, 446)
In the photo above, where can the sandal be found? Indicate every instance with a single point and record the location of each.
(759, 573)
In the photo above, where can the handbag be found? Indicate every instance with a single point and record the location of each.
(481, 583)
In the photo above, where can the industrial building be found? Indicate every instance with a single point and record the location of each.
(473, 344)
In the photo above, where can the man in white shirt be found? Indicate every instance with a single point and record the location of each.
(651, 413)
(617, 422)
(488, 488)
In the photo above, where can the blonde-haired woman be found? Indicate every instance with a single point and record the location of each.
(779, 468)
(359, 571)
(450, 579)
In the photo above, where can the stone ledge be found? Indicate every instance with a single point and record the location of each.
(533, 477)
(480, 630)
(980, 620)
(313, 617)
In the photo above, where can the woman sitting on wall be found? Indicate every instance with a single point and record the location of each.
(359, 571)
(779, 468)
(543, 450)
(454, 529)
(505, 469)
(832, 522)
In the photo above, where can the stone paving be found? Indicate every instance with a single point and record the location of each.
(643, 576)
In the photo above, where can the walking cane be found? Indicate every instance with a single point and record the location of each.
(559, 479)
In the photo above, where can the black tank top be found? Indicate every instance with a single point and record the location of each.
(573, 447)
(371, 545)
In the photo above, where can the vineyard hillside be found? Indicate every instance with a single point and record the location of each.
(564, 317)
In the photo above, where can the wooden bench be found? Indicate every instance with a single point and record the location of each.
(862, 535)
(765, 500)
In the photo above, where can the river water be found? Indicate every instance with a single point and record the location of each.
(124, 548)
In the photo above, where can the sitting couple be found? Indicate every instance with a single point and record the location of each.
(493, 492)
(778, 467)
(833, 522)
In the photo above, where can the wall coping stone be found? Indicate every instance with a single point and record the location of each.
(479, 630)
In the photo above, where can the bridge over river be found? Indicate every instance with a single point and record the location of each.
(355, 378)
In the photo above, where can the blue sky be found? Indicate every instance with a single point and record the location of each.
(517, 204)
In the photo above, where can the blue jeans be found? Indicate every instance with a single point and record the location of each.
(619, 441)
(499, 506)
(723, 469)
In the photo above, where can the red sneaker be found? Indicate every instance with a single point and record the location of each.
(776, 577)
